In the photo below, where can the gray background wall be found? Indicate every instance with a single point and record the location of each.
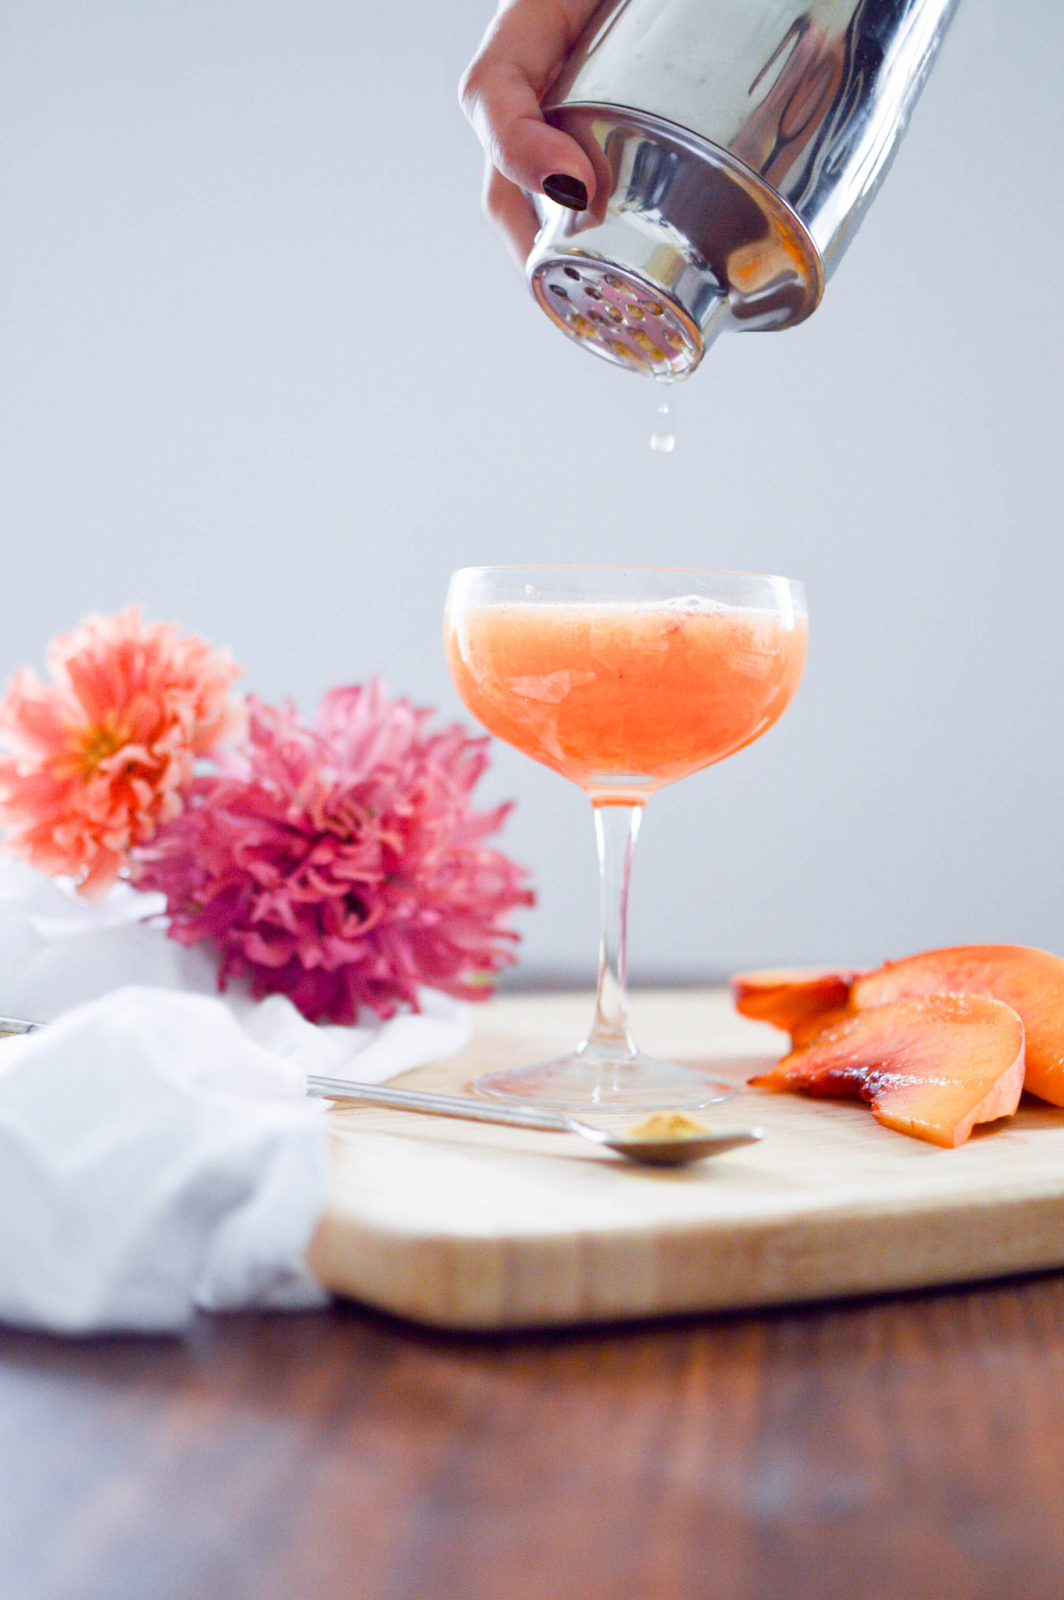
(265, 369)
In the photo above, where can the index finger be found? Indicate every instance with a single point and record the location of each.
(501, 91)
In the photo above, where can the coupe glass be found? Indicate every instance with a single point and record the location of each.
(623, 679)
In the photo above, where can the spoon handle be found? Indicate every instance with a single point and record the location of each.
(439, 1105)
(374, 1094)
(9, 1026)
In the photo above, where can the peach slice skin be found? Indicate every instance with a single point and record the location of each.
(931, 1066)
(1030, 981)
(791, 997)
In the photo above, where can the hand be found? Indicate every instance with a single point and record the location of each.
(501, 91)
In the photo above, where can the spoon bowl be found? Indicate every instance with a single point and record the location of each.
(678, 1151)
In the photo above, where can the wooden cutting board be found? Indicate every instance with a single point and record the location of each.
(463, 1225)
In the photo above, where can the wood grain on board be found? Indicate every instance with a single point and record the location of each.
(473, 1226)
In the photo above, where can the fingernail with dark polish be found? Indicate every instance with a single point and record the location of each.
(567, 191)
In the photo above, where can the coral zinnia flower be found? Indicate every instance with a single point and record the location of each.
(100, 757)
(342, 866)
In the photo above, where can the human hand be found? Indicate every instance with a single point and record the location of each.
(501, 90)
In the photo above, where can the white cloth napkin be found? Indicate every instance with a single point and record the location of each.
(57, 951)
(157, 1151)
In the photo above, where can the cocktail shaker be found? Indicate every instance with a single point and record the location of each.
(737, 144)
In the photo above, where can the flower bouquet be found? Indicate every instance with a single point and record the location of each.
(340, 864)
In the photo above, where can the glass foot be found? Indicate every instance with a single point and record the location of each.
(586, 1082)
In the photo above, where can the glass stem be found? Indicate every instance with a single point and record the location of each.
(616, 829)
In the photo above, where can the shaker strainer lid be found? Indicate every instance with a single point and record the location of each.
(617, 315)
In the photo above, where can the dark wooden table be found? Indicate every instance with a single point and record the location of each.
(901, 1449)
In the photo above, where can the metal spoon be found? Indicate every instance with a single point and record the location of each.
(665, 1152)
(12, 1025)
(674, 1152)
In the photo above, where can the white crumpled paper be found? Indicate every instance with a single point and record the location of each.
(157, 1151)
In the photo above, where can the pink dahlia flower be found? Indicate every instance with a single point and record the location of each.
(342, 865)
(101, 756)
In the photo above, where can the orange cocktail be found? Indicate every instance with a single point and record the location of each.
(624, 698)
(622, 679)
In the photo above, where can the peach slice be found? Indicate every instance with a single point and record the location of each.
(812, 1027)
(791, 997)
(1030, 981)
(931, 1067)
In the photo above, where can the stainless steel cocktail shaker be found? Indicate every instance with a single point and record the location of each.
(737, 145)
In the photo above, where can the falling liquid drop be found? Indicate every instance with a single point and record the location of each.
(662, 438)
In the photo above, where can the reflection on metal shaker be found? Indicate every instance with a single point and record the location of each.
(737, 144)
